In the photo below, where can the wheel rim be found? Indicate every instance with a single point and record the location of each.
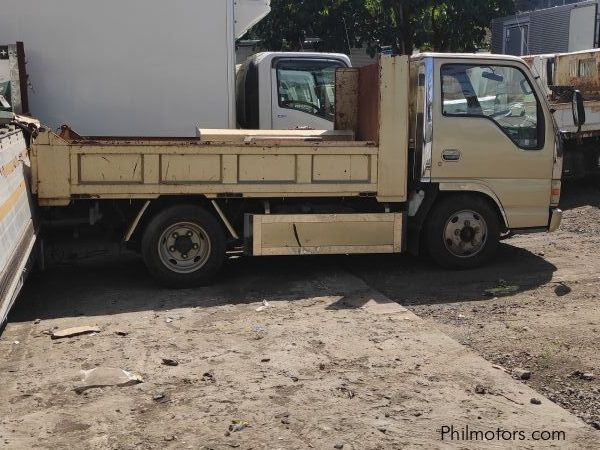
(184, 247)
(465, 234)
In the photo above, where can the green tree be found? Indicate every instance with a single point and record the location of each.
(461, 25)
(440, 25)
(337, 23)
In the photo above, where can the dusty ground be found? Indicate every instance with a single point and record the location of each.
(331, 361)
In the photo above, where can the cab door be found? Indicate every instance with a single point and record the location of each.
(303, 93)
(492, 133)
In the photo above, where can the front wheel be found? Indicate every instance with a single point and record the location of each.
(183, 246)
(462, 232)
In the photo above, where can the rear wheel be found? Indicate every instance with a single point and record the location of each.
(183, 246)
(462, 232)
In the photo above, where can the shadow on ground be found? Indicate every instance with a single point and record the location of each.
(114, 284)
(411, 281)
(106, 285)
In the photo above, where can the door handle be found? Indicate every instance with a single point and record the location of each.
(451, 155)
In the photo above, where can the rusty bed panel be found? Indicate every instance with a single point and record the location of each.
(368, 101)
(149, 168)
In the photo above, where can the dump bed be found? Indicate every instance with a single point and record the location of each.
(369, 160)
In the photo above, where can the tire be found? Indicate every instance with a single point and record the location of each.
(462, 232)
(183, 246)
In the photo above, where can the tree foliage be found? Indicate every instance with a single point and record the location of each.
(337, 23)
(461, 25)
(440, 25)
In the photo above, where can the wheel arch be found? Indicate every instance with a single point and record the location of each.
(479, 190)
(157, 205)
(435, 192)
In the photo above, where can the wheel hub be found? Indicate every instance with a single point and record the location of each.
(183, 244)
(184, 247)
(465, 234)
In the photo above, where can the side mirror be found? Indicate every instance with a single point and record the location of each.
(578, 109)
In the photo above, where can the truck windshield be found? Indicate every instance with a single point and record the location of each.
(500, 93)
(308, 86)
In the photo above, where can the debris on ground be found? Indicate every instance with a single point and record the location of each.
(502, 368)
(75, 331)
(106, 376)
(160, 397)
(208, 377)
(503, 289)
(259, 332)
(345, 391)
(121, 333)
(237, 425)
(587, 376)
(170, 362)
(562, 289)
(265, 305)
(535, 401)
(480, 389)
(521, 374)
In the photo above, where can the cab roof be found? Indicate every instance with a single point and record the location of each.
(493, 56)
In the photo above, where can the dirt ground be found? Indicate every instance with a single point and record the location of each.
(333, 361)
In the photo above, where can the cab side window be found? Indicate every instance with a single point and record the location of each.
(500, 93)
(308, 86)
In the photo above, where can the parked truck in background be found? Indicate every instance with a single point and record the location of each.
(562, 76)
(439, 151)
(156, 68)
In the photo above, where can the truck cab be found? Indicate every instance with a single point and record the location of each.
(487, 128)
(283, 91)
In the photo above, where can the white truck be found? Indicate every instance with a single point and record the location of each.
(156, 68)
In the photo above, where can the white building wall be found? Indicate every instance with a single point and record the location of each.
(127, 67)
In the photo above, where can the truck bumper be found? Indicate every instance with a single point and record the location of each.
(555, 219)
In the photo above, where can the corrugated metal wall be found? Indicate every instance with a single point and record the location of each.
(548, 29)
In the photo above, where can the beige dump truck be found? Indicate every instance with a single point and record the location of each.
(443, 153)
